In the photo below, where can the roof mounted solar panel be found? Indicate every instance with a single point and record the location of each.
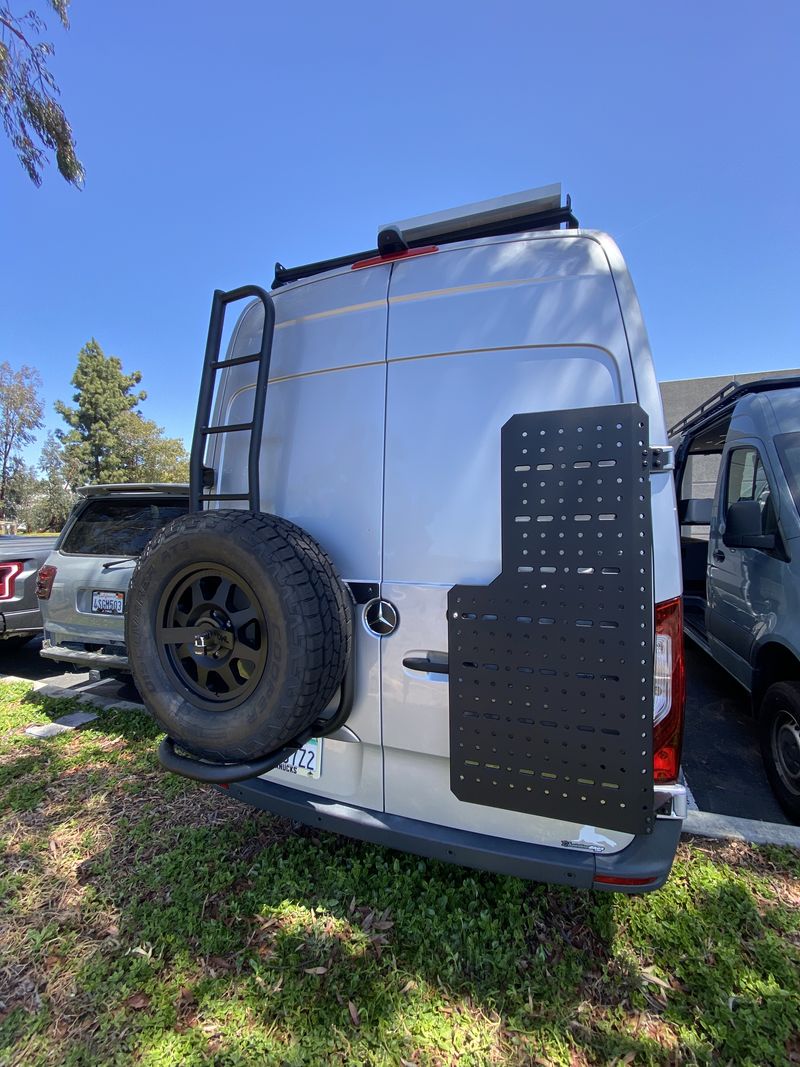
(532, 209)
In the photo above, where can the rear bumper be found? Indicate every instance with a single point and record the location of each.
(648, 858)
(87, 659)
(17, 622)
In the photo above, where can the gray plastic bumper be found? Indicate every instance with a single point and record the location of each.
(18, 622)
(647, 859)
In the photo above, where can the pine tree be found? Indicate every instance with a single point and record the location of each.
(103, 393)
(108, 439)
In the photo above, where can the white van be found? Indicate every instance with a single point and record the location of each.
(429, 593)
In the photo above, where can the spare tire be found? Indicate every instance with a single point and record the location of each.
(238, 631)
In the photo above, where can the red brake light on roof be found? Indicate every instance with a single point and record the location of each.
(44, 582)
(8, 572)
(407, 253)
(668, 691)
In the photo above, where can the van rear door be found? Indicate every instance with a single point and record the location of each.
(476, 335)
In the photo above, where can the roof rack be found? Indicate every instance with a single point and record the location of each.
(725, 398)
(715, 398)
(534, 209)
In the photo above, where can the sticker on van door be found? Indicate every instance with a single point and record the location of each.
(551, 666)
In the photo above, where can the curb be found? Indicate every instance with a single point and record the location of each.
(731, 828)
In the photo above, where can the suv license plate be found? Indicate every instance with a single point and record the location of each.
(306, 761)
(107, 603)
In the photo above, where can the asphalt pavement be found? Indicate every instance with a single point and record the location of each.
(721, 757)
(721, 754)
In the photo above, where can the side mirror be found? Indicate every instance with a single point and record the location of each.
(743, 527)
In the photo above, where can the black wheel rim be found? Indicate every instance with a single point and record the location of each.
(212, 635)
(786, 749)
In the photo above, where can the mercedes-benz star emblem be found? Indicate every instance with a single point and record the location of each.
(381, 617)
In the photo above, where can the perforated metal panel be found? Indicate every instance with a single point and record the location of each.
(551, 666)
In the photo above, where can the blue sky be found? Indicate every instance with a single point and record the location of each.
(219, 138)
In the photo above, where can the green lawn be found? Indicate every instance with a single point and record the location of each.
(146, 919)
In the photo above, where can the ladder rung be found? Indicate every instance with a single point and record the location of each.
(225, 496)
(237, 362)
(232, 427)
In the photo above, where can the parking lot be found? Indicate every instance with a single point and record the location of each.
(721, 758)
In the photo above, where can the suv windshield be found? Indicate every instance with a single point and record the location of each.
(120, 527)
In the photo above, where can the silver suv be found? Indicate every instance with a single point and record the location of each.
(82, 587)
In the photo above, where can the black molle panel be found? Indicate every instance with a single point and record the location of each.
(551, 666)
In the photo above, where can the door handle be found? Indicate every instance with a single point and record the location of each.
(718, 555)
(428, 663)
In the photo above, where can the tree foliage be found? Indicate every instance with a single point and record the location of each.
(54, 498)
(145, 455)
(35, 503)
(21, 494)
(108, 440)
(33, 119)
(102, 394)
(20, 415)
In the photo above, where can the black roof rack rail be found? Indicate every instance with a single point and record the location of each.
(541, 220)
(711, 401)
(726, 397)
(284, 275)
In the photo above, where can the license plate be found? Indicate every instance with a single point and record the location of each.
(107, 603)
(306, 761)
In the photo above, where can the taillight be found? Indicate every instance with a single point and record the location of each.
(618, 879)
(44, 581)
(668, 691)
(8, 572)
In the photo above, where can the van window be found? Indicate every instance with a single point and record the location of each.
(700, 475)
(788, 445)
(747, 480)
(120, 527)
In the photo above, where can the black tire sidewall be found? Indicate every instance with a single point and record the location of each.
(779, 696)
(267, 718)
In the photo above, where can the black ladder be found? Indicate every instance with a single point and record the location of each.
(211, 365)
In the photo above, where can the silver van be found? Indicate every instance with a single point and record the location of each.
(738, 477)
(429, 594)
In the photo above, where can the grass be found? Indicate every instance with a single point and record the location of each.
(146, 919)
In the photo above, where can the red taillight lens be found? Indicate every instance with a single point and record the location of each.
(8, 572)
(668, 691)
(615, 879)
(44, 582)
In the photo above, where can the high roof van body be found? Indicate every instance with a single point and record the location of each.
(472, 432)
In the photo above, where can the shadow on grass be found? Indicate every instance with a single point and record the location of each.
(205, 932)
